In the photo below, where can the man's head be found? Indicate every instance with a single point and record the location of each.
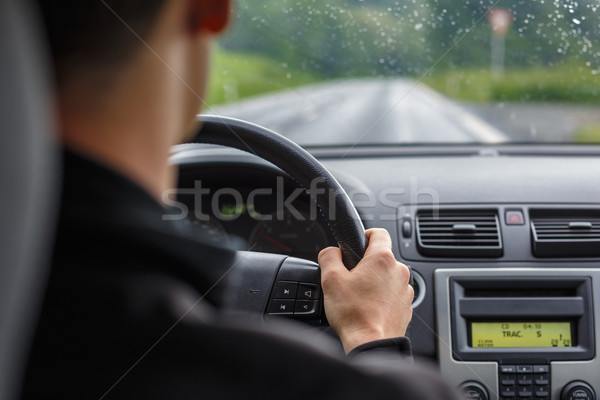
(131, 76)
(101, 36)
(97, 34)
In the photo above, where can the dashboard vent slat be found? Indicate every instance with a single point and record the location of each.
(565, 233)
(458, 233)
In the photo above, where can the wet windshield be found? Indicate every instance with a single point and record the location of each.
(360, 72)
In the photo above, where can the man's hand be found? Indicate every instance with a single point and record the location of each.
(372, 301)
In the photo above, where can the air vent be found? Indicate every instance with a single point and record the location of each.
(459, 233)
(565, 233)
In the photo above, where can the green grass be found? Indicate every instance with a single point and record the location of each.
(235, 76)
(568, 84)
(587, 134)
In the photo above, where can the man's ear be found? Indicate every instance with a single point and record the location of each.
(210, 16)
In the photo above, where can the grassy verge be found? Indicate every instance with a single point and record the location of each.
(568, 84)
(587, 134)
(235, 76)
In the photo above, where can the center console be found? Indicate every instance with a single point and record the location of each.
(519, 333)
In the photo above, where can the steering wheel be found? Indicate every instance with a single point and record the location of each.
(266, 283)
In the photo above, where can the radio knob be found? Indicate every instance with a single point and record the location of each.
(474, 391)
(578, 391)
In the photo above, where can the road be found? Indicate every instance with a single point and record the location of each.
(364, 111)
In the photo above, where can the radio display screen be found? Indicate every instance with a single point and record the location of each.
(520, 334)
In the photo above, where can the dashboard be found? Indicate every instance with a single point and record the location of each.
(504, 244)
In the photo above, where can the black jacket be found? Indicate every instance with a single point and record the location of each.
(130, 313)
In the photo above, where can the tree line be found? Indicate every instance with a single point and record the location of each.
(341, 38)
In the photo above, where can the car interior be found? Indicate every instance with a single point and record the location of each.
(30, 177)
(503, 239)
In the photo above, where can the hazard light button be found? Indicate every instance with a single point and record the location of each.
(515, 217)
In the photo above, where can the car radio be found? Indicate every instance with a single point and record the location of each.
(508, 334)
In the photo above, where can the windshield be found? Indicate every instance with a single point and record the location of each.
(363, 72)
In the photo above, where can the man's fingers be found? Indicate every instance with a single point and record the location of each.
(330, 261)
(379, 239)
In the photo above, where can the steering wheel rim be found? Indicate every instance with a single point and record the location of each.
(333, 202)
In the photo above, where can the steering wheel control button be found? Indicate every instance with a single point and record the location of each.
(285, 290)
(578, 391)
(474, 391)
(515, 217)
(282, 307)
(307, 308)
(307, 291)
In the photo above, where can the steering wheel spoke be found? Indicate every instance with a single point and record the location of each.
(273, 285)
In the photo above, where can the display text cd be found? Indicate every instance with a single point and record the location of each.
(521, 334)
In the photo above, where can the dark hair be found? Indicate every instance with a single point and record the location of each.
(87, 35)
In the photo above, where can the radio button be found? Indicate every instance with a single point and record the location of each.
(541, 369)
(542, 379)
(474, 391)
(508, 379)
(508, 369)
(524, 369)
(508, 391)
(524, 380)
(525, 391)
(578, 391)
(542, 391)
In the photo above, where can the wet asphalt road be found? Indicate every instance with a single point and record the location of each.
(365, 111)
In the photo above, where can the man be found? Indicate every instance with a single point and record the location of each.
(122, 317)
